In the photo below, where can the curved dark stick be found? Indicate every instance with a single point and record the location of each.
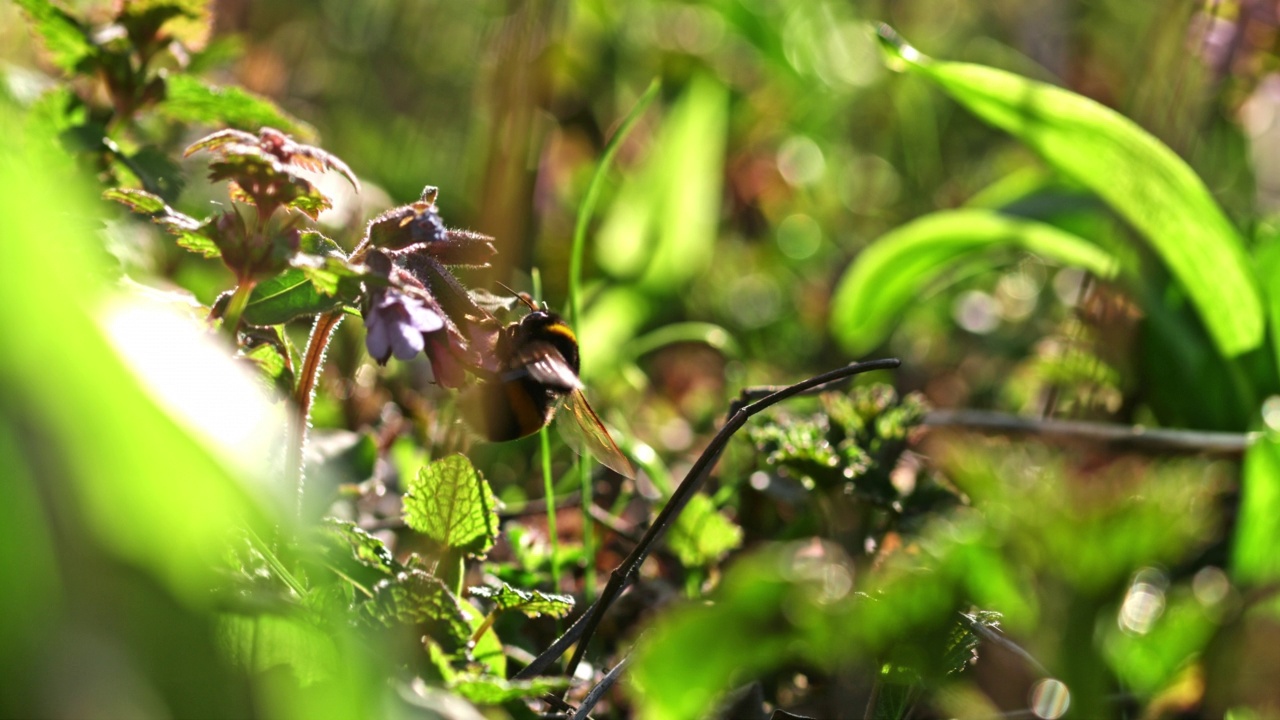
(582, 630)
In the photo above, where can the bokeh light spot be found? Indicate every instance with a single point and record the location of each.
(1271, 412)
(1144, 603)
(801, 161)
(799, 236)
(976, 312)
(1050, 699)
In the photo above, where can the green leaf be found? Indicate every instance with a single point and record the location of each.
(451, 503)
(268, 359)
(191, 233)
(66, 39)
(286, 296)
(326, 266)
(189, 99)
(1254, 559)
(532, 603)
(414, 597)
(662, 224)
(897, 268)
(260, 643)
(1142, 179)
(365, 549)
(489, 690)
(702, 536)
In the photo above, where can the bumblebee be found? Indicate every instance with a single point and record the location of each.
(537, 372)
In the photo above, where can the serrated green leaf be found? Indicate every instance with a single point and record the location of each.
(963, 642)
(189, 21)
(532, 603)
(489, 690)
(1137, 175)
(702, 535)
(451, 503)
(198, 243)
(269, 360)
(189, 99)
(259, 178)
(892, 273)
(138, 201)
(365, 548)
(325, 264)
(191, 234)
(414, 597)
(66, 39)
(284, 297)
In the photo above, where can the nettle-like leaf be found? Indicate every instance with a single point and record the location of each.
(268, 359)
(64, 36)
(191, 100)
(532, 603)
(278, 145)
(320, 280)
(258, 178)
(451, 503)
(284, 297)
(414, 597)
(364, 548)
(802, 447)
(964, 641)
(489, 689)
(702, 536)
(858, 439)
(152, 21)
(191, 234)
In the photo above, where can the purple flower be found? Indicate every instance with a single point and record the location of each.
(403, 324)
(396, 324)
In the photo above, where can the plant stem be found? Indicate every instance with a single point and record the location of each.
(304, 394)
(585, 212)
(553, 536)
(235, 308)
(548, 482)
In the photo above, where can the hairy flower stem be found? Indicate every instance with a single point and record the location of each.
(235, 308)
(304, 394)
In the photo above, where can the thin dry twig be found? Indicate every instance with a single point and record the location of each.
(582, 630)
(1133, 437)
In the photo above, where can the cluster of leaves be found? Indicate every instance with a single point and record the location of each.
(342, 574)
(138, 63)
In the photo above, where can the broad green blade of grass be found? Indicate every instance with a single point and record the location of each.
(661, 228)
(891, 273)
(1254, 559)
(1137, 175)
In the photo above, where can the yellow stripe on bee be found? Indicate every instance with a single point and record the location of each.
(562, 329)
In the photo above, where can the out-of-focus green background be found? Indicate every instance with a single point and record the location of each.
(780, 146)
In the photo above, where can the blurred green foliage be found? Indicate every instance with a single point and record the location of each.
(1070, 212)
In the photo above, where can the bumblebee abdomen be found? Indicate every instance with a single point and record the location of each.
(507, 410)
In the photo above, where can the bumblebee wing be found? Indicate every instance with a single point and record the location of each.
(543, 363)
(586, 434)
